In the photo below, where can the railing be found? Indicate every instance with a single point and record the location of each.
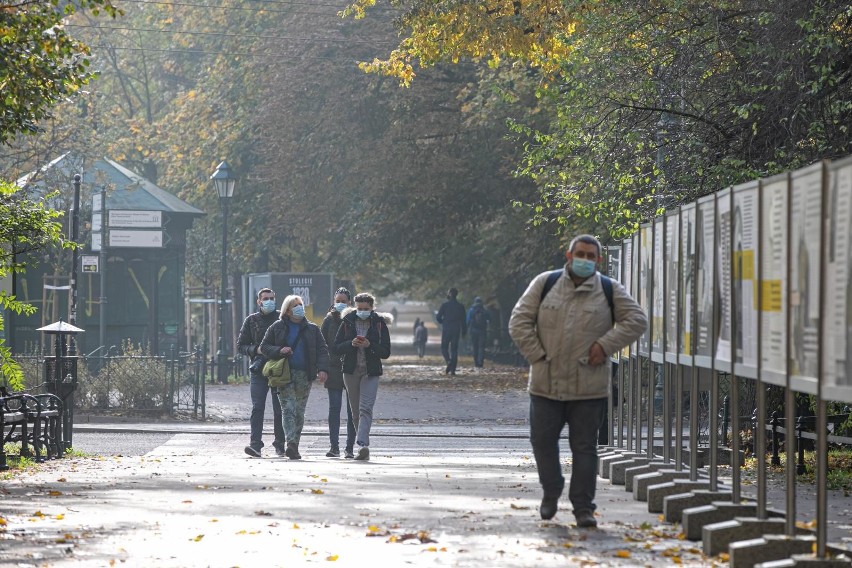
(151, 384)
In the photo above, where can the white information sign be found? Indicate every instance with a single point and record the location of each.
(97, 201)
(127, 238)
(773, 284)
(96, 221)
(96, 242)
(745, 276)
(136, 219)
(89, 263)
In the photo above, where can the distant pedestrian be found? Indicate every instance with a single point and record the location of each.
(567, 323)
(452, 317)
(416, 325)
(421, 336)
(394, 313)
(334, 385)
(477, 326)
(364, 340)
(299, 341)
(248, 343)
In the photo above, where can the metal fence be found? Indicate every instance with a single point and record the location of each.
(169, 384)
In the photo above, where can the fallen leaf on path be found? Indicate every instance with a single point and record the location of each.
(317, 491)
(623, 554)
(187, 501)
(198, 538)
(54, 493)
(61, 480)
(332, 558)
(519, 507)
(262, 514)
(59, 517)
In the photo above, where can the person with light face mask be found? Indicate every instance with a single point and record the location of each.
(334, 385)
(248, 342)
(300, 341)
(364, 340)
(567, 323)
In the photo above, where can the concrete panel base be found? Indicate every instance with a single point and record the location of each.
(617, 469)
(694, 519)
(649, 467)
(717, 537)
(658, 493)
(806, 561)
(674, 505)
(641, 483)
(605, 461)
(702, 455)
(747, 553)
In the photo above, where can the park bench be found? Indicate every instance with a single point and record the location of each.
(33, 420)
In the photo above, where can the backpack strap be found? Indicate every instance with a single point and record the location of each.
(551, 280)
(606, 284)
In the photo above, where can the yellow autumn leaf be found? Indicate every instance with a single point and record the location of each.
(295, 526)
(432, 549)
(317, 491)
(623, 554)
(198, 538)
(3, 522)
(373, 528)
(214, 520)
(241, 532)
(55, 493)
(724, 557)
(324, 480)
(332, 558)
(38, 514)
(59, 517)
(567, 545)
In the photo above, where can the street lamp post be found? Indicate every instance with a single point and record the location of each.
(224, 182)
(74, 230)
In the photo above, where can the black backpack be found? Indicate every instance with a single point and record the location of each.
(606, 284)
(477, 319)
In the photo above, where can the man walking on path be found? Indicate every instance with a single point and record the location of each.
(451, 316)
(477, 325)
(567, 323)
(251, 334)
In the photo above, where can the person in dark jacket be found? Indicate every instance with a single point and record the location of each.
(248, 342)
(477, 325)
(452, 317)
(334, 384)
(301, 342)
(364, 340)
(421, 336)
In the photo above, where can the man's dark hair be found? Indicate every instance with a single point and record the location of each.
(265, 291)
(365, 297)
(453, 292)
(588, 239)
(345, 292)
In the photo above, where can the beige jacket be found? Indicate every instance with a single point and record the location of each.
(555, 334)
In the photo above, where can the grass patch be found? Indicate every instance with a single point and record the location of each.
(839, 476)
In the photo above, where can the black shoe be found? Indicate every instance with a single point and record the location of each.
(253, 452)
(548, 508)
(292, 452)
(349, 454)
(280, 450)
(334, 452)
(363, 454)
(586, 519)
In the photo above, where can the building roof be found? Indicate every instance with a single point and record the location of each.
(126, 190)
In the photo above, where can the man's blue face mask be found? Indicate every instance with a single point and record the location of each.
(582, 267)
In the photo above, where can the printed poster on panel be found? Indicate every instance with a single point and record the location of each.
(646, 244)
(773, 285)
(805, 230)
(745, 275)
(687, 277)
(627, 276)
(613, 262)
(837, 330)
(723, 275)
(705, 232)
(672, 284)
(659, 303)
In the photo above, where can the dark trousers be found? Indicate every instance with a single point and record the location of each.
(259, 388)
(477, 343)
(450, 349)
(584, 418)
(335, 401)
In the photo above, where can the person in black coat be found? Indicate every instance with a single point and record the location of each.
(364, 340)
(453, 319)
(334, 384)
(248, 343)
(301, 342)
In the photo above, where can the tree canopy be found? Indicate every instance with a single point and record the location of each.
(653, 103)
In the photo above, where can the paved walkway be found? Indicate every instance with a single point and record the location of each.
(451, 482)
